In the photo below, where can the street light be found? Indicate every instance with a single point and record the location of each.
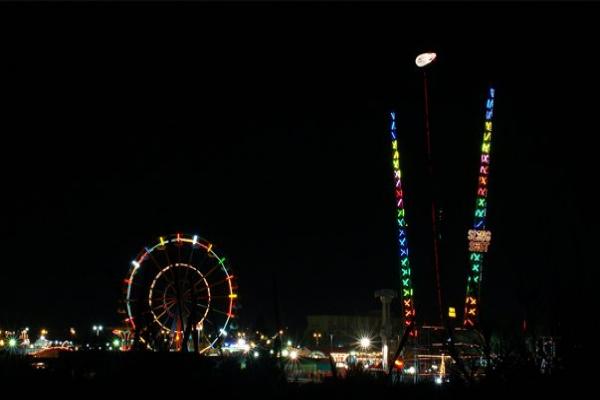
(365, 342)
(317, 336)
(97, 329)
(425, 59)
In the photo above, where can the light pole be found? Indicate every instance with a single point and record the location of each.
(331, 343)
(422, 61)
(97, 329)
(386, 296)
(317, 336)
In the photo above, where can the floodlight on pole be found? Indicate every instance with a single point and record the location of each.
(425, 59)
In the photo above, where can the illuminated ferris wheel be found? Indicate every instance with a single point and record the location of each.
(180, 295)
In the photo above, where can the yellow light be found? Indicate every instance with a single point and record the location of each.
(452, 312)
(1, 343)
(233, 296)
(162, 241)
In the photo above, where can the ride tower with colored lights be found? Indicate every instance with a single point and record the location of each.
(406, 285)
(479, 238)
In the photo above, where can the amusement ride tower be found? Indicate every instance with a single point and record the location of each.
(479, 237)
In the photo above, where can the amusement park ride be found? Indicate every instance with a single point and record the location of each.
(479, 238)
(179, 295)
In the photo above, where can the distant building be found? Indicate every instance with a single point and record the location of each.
(344, 330)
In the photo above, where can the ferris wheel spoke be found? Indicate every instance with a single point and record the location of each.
(210, 271)
(191, 255)
(164, 299)
(208, 285)
(161, 314)
(213, 309)
(214, 297)
(214, 285)
(166, 305)
(205, 338)
(158, 292)
(165, 324)
(185, 275)
(201, 262)
(218, 311)
(155, 262)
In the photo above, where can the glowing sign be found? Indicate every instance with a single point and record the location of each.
(425, 59)
(479, 240)
(452, 312)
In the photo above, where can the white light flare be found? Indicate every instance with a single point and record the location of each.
(425, 59)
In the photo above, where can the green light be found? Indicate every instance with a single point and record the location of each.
(12, 342)
(116, 343)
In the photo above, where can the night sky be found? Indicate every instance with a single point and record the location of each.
(265, 130)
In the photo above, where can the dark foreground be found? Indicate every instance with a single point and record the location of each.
(73, 375)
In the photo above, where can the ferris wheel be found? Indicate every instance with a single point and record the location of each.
(179, 295)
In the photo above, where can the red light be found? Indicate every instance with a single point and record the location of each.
(399, 364)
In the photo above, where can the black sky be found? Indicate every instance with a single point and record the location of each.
(264, 129)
